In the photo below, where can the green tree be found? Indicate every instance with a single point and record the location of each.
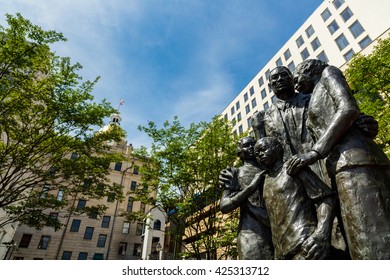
(369, 77)
(47, 114)
(184, 165)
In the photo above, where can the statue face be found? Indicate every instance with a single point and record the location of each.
(282, 83)
(304, 82)
(245, 148)
(266, 153)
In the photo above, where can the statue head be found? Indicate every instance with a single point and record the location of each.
(245, 148)
(282, 83)
(268, 152)
(307, 74)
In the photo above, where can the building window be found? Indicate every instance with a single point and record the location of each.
(338, 3)
(44, 242)
(348, 55)
(98, 256)
(299, 41)
(333, 27)
(232, 111)
(251, 91)
(263, 94)
(122, 248)
(265, 106)
(111, 197)
(88, 233)
(247, 109)
(142, 207)
(157, 225)
(239, 117)
(139, 229)
(254, 103)
(291, 66)
(45, 190)
(342, 42)
(75, 226)
(226, 117)
(106, 221)
(87, 184)
(365, 42)
(322, 56)
(315, 44)
(267, 74)
(261, 81)
(133, 185)
(240, 130)
(66, 255)
(237, 105)
(60, 195)
(93, 213)
(137, 250)
(305, 54)
(245, 97)
(25, 241)
(325, 14)
(287, 54)
(53, 218)
(130, 202)
(126, 228)
(273, 99)
(102, 240)
(346, 14)
(74, 155)
(233, 121)
(135, 170)
(81, 204)
(309, 31)
(249, 122)
(118, 166)
(279, 62)
(356, 29)
(82, 256)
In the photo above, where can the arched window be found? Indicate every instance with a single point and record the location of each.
(157, 225)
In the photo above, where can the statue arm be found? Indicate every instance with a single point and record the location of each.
(346, 110)
(318, 244)
(259, 213)
(230, 202)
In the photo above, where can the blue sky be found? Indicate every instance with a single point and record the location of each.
(165, 58)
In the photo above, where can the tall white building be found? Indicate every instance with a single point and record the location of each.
(335, 31)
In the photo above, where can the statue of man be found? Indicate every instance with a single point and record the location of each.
(360, 169)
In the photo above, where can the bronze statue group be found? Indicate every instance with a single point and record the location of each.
(313, 184)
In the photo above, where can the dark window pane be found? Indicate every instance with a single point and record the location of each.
(82, 256)
(356, 29)
(66, 255)
(75, 225)
(325, 14)
(25, 241)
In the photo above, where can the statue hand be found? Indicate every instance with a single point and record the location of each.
(296, 163)
(368, 125)
(228, 179)
(316, 247)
